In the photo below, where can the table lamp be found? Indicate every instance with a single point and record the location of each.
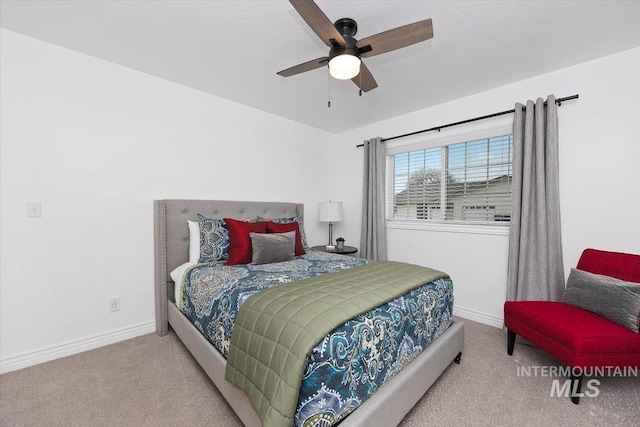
(330, 212)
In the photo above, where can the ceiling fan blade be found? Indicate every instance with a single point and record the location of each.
(305, 66)
(318, 21)
(365, 80)
(397, 38)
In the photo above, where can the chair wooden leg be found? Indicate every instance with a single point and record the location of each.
(576, 387)
(511, 340)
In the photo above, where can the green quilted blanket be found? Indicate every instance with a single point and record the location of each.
(276, 328)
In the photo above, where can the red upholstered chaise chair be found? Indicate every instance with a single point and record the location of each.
(577, 337)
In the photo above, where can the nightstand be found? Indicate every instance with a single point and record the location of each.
(348, 250)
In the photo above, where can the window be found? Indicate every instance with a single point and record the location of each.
(467, 180)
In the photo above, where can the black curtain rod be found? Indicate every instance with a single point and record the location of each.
(559, 101)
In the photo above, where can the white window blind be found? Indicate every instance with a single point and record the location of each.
(466, 181)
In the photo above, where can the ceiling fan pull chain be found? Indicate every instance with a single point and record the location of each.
(360, 85)
(329, 88)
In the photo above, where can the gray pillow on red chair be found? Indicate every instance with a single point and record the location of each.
(611, 298)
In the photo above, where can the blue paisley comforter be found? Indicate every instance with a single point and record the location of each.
(349, 364)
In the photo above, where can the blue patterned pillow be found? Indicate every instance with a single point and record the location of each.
(298, 219)
(214, 239)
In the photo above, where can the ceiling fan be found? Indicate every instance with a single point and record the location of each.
(346, 53)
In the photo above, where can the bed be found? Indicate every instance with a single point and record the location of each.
(387, 406)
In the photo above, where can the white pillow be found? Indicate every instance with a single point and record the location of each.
(177, 276)
(194, 241)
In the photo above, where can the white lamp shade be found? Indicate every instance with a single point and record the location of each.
(330, 212)
(344, 67)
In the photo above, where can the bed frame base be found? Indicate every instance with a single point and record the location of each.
(386, 407)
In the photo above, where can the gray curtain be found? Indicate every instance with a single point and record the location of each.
(373, 235)
(535, 268)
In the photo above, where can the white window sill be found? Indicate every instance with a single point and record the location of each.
(449, 227)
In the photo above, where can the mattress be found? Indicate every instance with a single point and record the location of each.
(350, 363)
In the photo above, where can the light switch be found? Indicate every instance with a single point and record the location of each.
(34, 209)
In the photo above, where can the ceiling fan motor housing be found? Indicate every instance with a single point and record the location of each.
(347, 28)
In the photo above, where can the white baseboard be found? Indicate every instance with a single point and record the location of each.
(46, 354)
(477, 316)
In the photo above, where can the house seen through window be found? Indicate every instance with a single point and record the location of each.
(467, 181)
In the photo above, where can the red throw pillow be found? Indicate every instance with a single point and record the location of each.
(239, 240)
(273, 227)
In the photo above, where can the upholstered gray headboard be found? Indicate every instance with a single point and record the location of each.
(171, 236)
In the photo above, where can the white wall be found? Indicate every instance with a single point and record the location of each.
(599, 176)
(96, 143)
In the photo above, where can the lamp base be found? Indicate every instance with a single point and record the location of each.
(330, 248)
(330, 235)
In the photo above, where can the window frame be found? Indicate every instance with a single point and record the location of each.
(398, 147)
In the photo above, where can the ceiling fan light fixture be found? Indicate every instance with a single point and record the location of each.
(344, 67)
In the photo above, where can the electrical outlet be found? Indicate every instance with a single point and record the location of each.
(34, 209)
(114, 304)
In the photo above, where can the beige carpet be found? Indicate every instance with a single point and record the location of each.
(153, 381)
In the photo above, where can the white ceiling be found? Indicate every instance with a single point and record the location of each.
(233, 49)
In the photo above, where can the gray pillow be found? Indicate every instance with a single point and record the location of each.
(272, 247)
(609, 297)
